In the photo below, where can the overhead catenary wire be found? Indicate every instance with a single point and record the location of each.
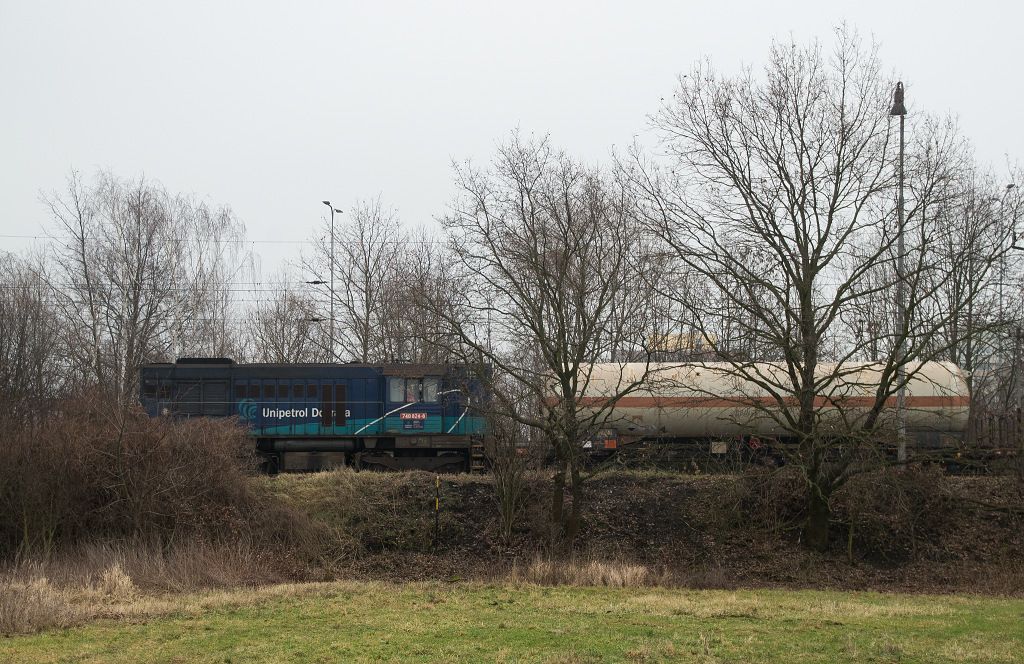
(262, 241)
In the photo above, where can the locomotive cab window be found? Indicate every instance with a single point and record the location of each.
(430, 389)
(414, 390)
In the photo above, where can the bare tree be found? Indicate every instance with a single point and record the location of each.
(32, 367)
(545, 265)
(365, 252)
(381, 271)
(781, 204)
(285, 328)
(410, 331)
(213, 264)
(135, 270)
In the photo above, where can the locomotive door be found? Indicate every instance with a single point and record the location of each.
(333, 402)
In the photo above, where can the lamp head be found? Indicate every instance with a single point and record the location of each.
(898, 107)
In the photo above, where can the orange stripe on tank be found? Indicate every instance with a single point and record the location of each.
(739, 402)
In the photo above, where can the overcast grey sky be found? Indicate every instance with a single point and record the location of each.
(272, 107)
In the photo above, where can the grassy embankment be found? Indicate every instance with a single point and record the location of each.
(514, 622)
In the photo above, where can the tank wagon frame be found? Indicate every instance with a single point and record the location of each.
(318, 416)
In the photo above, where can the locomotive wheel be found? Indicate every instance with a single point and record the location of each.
(271, 465)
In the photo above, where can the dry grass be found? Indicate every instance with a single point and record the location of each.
(33, 604)
(616, 571)
(30, 604)
(106, 580)
(585, 571)
(180, 568)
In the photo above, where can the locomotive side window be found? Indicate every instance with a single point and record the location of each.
(339, 404)
(412, 390)
(297, 390)
(430, 390)
(282, 392)
(239, 390)
(269, 391)
(311, 390)
(396, 389)
(149, 389)
(254, 391)
(327, 407)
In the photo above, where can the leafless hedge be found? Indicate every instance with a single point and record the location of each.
(91, 471)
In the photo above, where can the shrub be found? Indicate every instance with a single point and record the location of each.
(93, 471)
(892, 514)
(774, 500)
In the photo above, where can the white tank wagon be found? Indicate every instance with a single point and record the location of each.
(709, 401)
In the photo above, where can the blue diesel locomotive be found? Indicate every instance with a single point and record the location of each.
(318, 416)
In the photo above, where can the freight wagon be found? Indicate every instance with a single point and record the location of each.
(707, 406)
(317, 416)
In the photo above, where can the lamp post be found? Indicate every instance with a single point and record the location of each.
(900, 109)
(1002, 269)
(333, 210)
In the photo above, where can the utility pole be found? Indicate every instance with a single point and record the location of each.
(900, 109)
(333, 210)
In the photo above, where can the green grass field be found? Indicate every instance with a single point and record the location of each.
(467, 622)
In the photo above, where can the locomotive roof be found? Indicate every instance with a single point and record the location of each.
(394, 369)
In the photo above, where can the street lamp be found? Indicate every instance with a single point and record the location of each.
(1013, 234)
(333, 210)
(900, 109)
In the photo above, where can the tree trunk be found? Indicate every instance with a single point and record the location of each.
(818, 515)
(557, 504)
(572, 528)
